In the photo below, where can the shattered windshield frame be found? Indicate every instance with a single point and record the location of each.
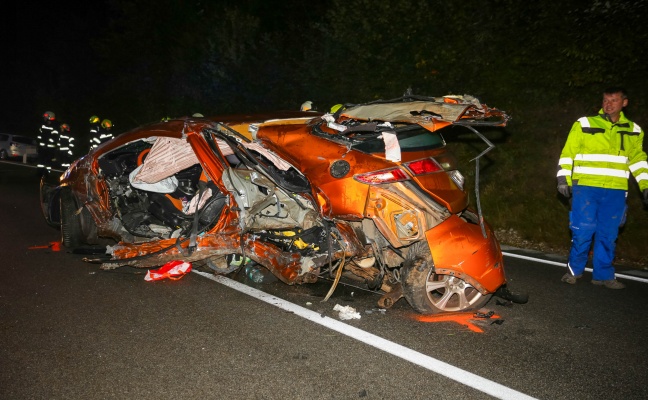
(255, 157)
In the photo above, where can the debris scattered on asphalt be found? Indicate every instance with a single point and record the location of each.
(173, 270)
(484, 315)
(346, 312)
(506, 303)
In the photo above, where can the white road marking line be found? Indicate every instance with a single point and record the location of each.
(449, 371)
(563, 264)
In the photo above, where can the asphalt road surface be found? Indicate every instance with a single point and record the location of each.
(71, 331)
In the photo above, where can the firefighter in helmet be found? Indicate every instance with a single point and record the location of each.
(66, 146)
(47, 141)
(95, 127)
(105, 133)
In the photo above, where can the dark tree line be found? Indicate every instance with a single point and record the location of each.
(545, 62)
(174, 57)
(141, 60)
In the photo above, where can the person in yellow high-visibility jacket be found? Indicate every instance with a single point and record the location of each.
(594, 167)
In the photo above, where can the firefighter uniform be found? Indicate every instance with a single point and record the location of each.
(66, 146)
(105, 134)
(47, 141)
(95, 127)
(596, 162)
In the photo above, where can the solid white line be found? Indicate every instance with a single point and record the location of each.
(464, 377)
(560, 264)
(564, 264)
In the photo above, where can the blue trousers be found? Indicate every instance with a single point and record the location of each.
(596, 216)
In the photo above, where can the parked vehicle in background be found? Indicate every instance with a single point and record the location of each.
(371, 193)
(17, 146)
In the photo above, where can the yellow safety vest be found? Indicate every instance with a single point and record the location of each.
(603, 154)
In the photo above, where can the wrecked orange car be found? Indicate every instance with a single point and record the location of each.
(370, 192)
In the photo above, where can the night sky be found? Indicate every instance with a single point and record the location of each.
(52, 62)
(47, 44)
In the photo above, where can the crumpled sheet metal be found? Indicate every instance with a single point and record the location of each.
(403, 112)
(286, 265)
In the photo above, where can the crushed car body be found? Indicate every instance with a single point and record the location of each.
(370, 193)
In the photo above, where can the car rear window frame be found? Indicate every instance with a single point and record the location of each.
(405, 136)
(371, 142)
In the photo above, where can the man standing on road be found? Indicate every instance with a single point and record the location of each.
(600, 153)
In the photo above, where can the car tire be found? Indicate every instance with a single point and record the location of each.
(71, 232)
(88, 227)
(3, 154)
(431, 293)
(49, 201)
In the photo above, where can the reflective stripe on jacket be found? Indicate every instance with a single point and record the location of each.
(603, 154)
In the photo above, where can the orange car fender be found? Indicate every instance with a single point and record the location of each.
(458, 248)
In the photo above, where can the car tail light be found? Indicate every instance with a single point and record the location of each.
(384, 176)
(431, 165)
(424, 166)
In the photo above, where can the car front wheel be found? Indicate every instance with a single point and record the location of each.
(71, 232)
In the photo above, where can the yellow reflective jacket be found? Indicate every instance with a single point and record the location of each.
(602, 154)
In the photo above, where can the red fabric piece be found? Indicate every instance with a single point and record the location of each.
(173, 270)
